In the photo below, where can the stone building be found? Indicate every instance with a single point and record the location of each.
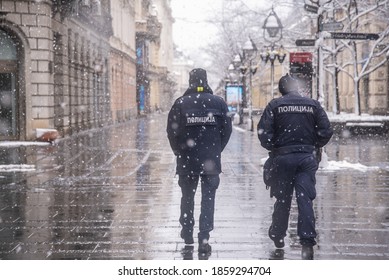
(164, 56)
(154, 50)
(123, 61)
(360, 90)
(55, 70)
(81, 64)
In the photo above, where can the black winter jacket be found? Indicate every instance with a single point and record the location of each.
(198, 129)
(292, 122)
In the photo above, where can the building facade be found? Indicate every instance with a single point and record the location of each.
(80, 64)
(165, 55)
(54, 74)
(154, 54)
(348, 79)
(123, 61)
(358, 89)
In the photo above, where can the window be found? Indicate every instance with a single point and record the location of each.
(8, 97)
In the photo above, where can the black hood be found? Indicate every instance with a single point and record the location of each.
(288, 84)
(198, 81)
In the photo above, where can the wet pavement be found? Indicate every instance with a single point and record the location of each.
(113, 194)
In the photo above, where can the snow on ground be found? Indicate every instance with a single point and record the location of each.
(331, 165)
(350, 117)
(22, 143)
(17, 168)
(237, 128)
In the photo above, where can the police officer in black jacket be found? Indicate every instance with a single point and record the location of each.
(293, 128)
(198, 129)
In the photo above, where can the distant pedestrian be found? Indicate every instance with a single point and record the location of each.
(198, 129)
(293, 128)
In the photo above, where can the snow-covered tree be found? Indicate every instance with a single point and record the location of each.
(358, 58)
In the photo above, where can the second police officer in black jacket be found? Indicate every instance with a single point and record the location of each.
(198, 130)
(293, 128)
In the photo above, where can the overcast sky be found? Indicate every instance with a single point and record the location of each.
(190, 30)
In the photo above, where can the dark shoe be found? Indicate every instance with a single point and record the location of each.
(187, 252)
(277, 254)
(307, 252)
(204, 256)
(204, 247)
(278, 242)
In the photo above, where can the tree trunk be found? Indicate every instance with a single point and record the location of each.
(337, 100)
(357, 105)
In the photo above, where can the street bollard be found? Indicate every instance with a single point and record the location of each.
(236, 119)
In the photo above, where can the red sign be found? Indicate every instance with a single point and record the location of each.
(300, 57)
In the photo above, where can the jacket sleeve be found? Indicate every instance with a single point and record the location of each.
(265, 128)
(173, 128)
(323, 128)
(226, 127)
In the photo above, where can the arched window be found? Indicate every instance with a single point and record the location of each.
(8, 93)
(7, 47)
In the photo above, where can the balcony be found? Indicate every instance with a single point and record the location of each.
(150, 28)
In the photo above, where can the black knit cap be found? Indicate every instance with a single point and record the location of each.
(287, 84)
(198, 78)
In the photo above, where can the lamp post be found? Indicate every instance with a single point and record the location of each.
(272, 33)
(237, 64)
(250, 52)
(272, 55)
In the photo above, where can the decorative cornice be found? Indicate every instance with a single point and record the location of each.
(100, 21)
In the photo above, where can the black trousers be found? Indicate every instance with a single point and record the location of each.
(294, 172)
(209, 185)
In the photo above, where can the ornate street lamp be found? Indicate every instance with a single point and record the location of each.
(249, 49)
(249, 52)
(273, 28)
(237, 60)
